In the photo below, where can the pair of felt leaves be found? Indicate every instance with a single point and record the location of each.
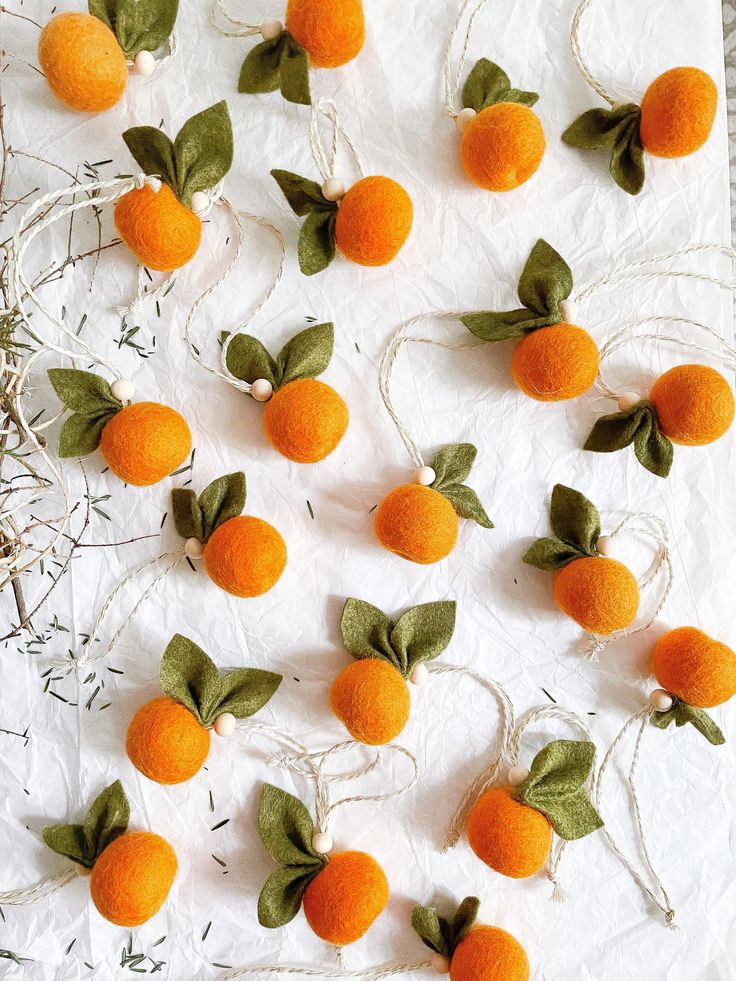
(316, 245)
(452, 465)
(105, 821)
(278, 63)
(139, 25)
(93, 405)
(198, 517)
(306, 355)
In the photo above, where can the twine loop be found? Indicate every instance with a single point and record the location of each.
(452, 81)
(577, 53)
(326, 159)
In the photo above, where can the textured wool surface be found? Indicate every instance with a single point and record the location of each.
(159, 230)
(245, 556)
(677, 112)
(166, 742)
(305, 420)
(83, 62)
(502, 146)
(132, 878)
(417, 523)
(694, 667)
(694, 404)
(346, 897)
(372, 700)
(489, 954)
(145, 442)
(332, 31)
(373, 221)
(600, 594)
(510, 837)
(555, 363)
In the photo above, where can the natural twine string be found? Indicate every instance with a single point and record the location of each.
(239, 28)
(452, 81)
(366, 974)
(577, 53)
(42, 890)
(324, 159)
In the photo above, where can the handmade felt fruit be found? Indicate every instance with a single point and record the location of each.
(510, 828)
(691, 405)
(674, 120)
(132, 871)
(168, 738)
(599, 593)
(245, 556)
(142, 442)
(320, 33)
(419, 521)
(83, 56)
(159, 227)
(304, 419)
(502, 145)
(554, 360)
(369, 223)
(469, 952)
(370, 696)
(342, 894)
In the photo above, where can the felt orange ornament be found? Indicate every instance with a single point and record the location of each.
(243, 555)
(85, 57)
(304, 419)
(142, 442)
(161, 227)
(341, 894)
(369, 222)
(554, 360)
(466, 950)
(674, 119)
(168, 738)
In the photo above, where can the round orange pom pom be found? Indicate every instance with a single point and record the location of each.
(489, 954)
(346, 897)
(145, 442)
(83, 62)
(373, 221)
(555, 363)
(305, 420)
(598, 593)
(132, 877)
(158, 229)
(508, 836)
(694, 667)
(245, 556)
(332, 31)
(677, 112)
(502, 146)
(372, 700)
(166, 742)
(694, 404)
(417, 523)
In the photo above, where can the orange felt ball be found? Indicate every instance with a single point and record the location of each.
(555, 363)
(132, 878)
(489, 954)
(332, 31)
(502, 146)
(373, 221)
(83, 62)
(508, 836)
(166, 742)
(372, 700)
(598, 593)
(417, 523)
(145, 442)
(158, 229)
(677, 112)
(305, 420)
(694, 667)
(346, 897)
(245, 556)
(694, 404)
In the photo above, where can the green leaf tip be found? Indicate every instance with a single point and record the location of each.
(93, 405)
(576, 524)
(638, 425)
(198, 517)
(316, 246)
(488, 84)
(106, 820)
(615, 130)
(137, 26)
(452, 465)
(681, 714)
(443, 934)
(277, 63)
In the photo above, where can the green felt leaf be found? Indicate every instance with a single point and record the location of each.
(556, 787)
(488, 84)
(366, 632)
(281, 897)
(307, 354)
(144, 26)
(154, 153)
(68, 840)
(575, 519)
(221, 500)
(83, 392)
(545, 281)
(681, 714)
(652, 448)
(189, 676)
(453, 463)
(188, 518)
(640, 426)
(286, 829)
(294, 72)
(316, 247)
(627, 158)
(464, 919)
(423, 633)
(489, 325)
(466, 503)
(304, 196)
(261, 71)
(204, 150)
(106, 820)
(615, 431)
(244, 691)
(616, 130)
(80, 435)
(104, 10)
(427, 925)
(248, 360)
(550, 554)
